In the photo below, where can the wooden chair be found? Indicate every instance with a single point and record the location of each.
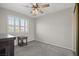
(21, 40)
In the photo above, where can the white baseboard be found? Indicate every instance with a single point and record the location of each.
(56, 45)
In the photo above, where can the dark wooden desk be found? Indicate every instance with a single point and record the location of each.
(6, 45)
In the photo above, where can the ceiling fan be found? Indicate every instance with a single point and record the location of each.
(37, 7)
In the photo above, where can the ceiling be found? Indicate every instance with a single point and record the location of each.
(19, 7)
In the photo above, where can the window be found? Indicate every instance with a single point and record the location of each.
(22, 25)
(11, 24)
(16, 24)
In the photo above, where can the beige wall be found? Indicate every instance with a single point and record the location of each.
(3, 23)
(56, 29)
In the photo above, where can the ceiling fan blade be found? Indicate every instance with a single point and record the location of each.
(41, 11)
(34, 4)
(44, 5)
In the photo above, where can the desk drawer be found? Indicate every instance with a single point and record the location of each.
(4, 43)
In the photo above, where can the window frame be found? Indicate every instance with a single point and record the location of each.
(25, 26)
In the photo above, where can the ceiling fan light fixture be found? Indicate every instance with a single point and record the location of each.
(35, 11)
(38, 8)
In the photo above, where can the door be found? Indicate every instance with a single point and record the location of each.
(77, 27)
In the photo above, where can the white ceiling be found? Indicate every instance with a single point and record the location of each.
(19, 7)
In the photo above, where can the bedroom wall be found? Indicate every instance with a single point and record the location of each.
(56, 29)
(3, 23)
